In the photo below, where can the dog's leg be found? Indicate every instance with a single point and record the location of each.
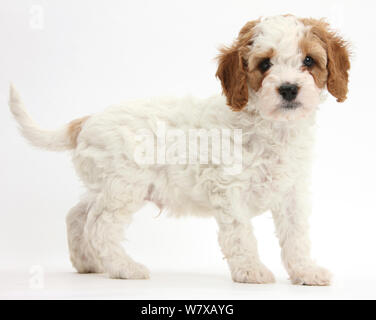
(81, 255)
(105, 226)
(239, 246)
(291, 221)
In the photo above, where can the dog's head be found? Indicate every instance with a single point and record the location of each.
(282, 64)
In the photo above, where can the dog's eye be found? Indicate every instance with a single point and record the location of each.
(309, 62)
(265, 65)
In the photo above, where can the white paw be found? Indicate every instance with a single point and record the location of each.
(83, 264)
(89, 269)
(255, 273)
(311, 275)
(128, 270)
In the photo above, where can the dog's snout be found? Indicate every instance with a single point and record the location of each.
(288, 91)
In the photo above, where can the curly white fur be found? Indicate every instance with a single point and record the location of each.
(275, 176)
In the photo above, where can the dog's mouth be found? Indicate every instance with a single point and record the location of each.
(291, 105)
(287, 111)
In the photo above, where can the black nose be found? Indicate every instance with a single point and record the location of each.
(288, 91)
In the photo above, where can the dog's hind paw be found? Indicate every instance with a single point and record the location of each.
(257, 274)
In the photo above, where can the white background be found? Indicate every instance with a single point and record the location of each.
(78, 57)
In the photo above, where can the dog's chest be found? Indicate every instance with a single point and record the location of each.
(273, 162)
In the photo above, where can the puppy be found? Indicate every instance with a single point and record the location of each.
(273, 78)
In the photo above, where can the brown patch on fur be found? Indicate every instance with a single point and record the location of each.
(246, 33)
(233, 69)
(315, 48)
(255, 76)
(74, 129)
(338, 62)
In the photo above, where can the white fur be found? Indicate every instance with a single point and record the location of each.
(275, 175)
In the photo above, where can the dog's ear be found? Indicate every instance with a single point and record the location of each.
(232, 68)
(338, 67)
(338, 58)
(233, 75)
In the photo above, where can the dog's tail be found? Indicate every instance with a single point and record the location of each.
(62, 139)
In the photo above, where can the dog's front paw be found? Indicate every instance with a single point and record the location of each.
(255, 273)
(128, 270)
(311, 275)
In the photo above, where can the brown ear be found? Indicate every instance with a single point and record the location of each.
(232, 73)
(338, 58)
(338, 67)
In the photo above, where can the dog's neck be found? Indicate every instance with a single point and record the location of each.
(253, 124)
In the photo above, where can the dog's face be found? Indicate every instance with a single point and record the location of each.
(281, 65)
